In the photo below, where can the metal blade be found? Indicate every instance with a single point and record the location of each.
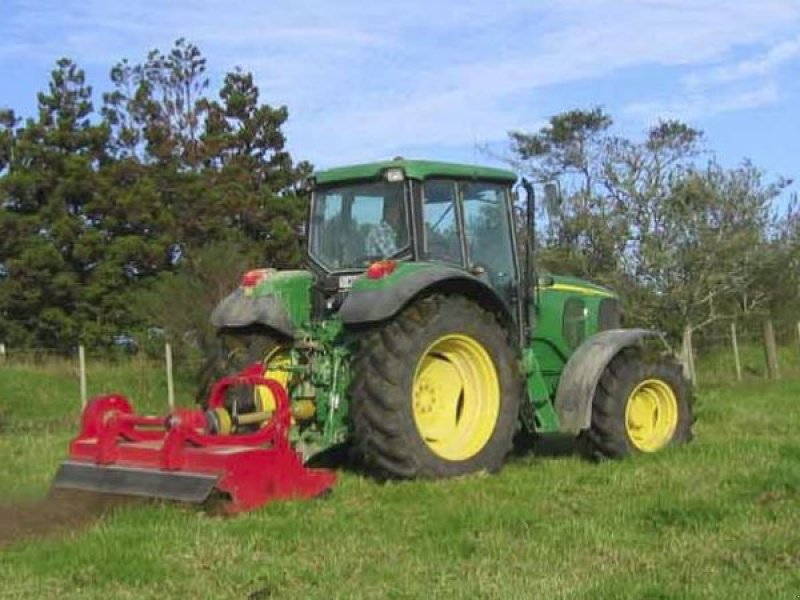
(130, 481)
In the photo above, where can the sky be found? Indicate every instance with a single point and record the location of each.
(444, 80)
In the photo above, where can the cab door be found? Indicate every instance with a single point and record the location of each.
(489, 238)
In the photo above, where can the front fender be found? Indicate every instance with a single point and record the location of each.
(370, 301)
(582, 373)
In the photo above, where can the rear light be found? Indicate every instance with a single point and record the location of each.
(252, 278)
(381, 269)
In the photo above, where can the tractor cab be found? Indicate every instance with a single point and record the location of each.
(453, 215)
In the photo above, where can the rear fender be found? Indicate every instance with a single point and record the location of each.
(281, 301)
(370, 301)
(583, 371)
(241, 310)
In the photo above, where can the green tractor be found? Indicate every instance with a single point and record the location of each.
(420, 338)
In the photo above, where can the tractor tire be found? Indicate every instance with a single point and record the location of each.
(638, 407)
(435, 392)
(233, 351)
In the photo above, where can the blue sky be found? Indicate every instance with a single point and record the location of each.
(426, 78)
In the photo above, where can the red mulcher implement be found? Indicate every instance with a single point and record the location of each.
(187, 455)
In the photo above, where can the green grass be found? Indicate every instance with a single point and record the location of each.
(719, 518)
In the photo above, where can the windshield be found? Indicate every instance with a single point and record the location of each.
(355, 225)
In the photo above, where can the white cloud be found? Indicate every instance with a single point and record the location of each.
(689, 107)
(752, 67)
(368, 79)
(732, 85)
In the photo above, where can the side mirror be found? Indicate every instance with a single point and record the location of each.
(306, 185)
(552, 197)
(301, 238)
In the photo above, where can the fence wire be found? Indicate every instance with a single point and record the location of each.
(715, 353)
(43, 374)
(138, 373)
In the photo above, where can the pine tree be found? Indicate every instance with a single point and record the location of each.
(50, 183)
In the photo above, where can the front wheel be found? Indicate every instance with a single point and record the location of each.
(638, 407)
(436, 392)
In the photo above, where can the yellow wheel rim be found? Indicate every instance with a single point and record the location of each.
(275, 365)
(651, 415)
(456, 397)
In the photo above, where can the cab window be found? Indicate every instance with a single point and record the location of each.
(441, 239)
(487, 230)
(574, 324)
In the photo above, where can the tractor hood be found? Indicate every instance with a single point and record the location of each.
(279, 300)
(563, 283)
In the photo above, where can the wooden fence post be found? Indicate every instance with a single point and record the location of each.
(798, 332)
(82, 374)
(735, 344)
(3, 352)
(771, 351)
(688, 356)
(170, 387)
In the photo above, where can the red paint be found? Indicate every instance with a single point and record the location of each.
(253, 468)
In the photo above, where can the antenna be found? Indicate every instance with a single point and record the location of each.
(474, 144)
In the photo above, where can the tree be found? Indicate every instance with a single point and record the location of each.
(96, 208)
(252, 174)
(220, 165)
(780, 267)
(8, 124)
(702, 262)
(581, 230)
(50, 182)
(194, 289)
(685, 244)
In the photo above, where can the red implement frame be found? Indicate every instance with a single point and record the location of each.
(176, 457)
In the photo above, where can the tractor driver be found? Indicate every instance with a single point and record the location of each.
(382, 239)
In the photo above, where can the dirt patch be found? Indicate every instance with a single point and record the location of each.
(60, 511)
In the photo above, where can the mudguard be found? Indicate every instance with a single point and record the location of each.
(241, 310)
(582, 373)
(370, 301)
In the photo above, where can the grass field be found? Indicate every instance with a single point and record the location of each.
(719, 518)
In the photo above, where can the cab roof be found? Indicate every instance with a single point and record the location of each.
(414, 169)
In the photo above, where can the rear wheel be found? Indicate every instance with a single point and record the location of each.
(638, 407)
(435, 392)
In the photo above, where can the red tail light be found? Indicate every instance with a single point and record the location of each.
(253, 278)
(381, 269)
